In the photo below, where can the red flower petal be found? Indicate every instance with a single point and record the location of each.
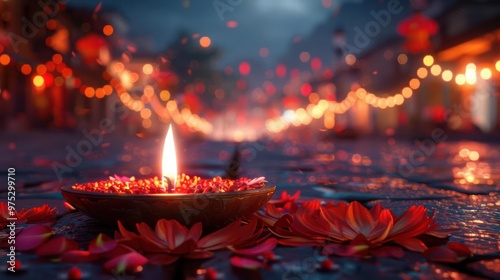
(101, 244)
(199, 255)
(162, 259)
(388, 252)
(77, 256)
(119, 250)
(33, 237)
(460, 249)
(346, 250)
(441, 254)
(129, 262)
(245, 263)
(222, 237)
(359, 218)
(258, 250)
(412, 244)
(38, 214)
(57, 246)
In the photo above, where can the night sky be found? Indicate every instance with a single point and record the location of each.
(153, 24)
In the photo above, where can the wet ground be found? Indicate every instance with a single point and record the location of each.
(458, 180)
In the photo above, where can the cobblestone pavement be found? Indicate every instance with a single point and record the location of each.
(458, 180)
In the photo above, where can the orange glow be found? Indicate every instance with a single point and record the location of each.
(26, 69)
(67, 72)
(169, 160)
(107, 89)
(474, 156)
(460, 79)
(99, 93)
(205, 41)
(41, 69)
(428, 60)
(497, 66)
(350, 59)
(470, 73)
(147, 69)
(51, 24)
(57, 58)
(38, 81)
(435, 69)
(414, 83)
(447, 75)
(4, 59)
(422, 72)
(407, 92)
(89, 92)
(402, 58)
(485, 73)
(108, 30)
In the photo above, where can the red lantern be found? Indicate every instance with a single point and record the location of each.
(417, 29)
(90, 47)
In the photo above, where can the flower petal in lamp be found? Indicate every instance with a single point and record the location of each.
(188, 199)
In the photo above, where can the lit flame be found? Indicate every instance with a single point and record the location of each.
(169, 160)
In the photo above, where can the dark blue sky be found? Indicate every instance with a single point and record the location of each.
(273, 24)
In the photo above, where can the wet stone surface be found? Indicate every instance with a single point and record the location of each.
(458, 181)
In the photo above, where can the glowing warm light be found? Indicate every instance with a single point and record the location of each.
(474, 156)
(169, 160)
(26, 69)
(147, 69)
(89, 92)
(350, 59)
(205, 41)
(402, 58)
(464, 152)
(407, 92)
(41, 69)
(447, 75)
(470, 73)
(485, 73)
(435, 70)
(414, 83)
(145, 113)
(422, 72)
(4, 59)
(107, 30)
(497, 65)
(460, 79)
(57, 58)
(399, 99)
(428, 60)
(38, 81)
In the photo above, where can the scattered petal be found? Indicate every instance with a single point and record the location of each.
(32, 237)
(245, 263)
(56, 247)
(130, 262)
(101, 244)
(257, 250)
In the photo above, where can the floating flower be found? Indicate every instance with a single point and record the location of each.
(285, 198)
(249, 257)
(353, 230)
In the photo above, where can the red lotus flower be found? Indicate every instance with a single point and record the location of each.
(285, 198)
(33, 215)
(170, 240)
(355, 230)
